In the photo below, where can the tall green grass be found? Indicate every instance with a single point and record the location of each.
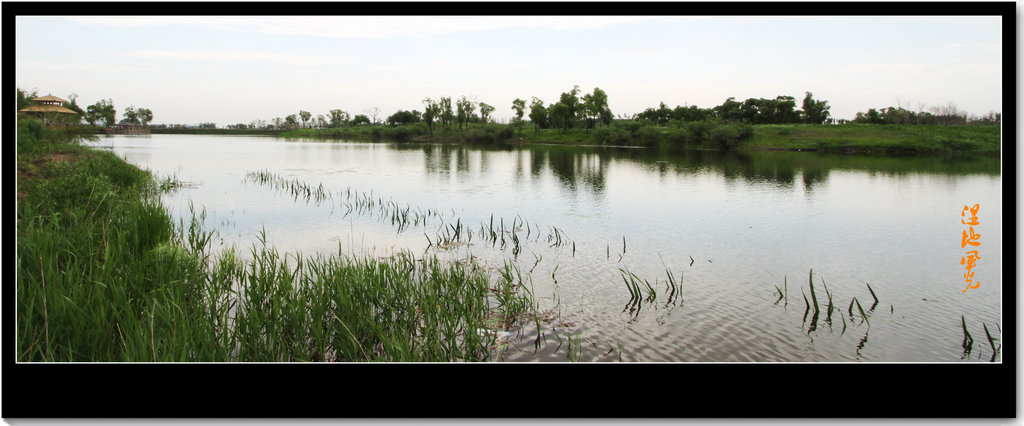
(103, 274)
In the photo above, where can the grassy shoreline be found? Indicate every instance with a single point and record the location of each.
(104, 275)
(850, 138)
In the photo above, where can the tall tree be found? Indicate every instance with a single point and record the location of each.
(519, 106)
(600, 102)
(374, 114)
(304, 116)
(560, 114)
(571, 101)
(72, 104)
(538, 114)
(465, 109)
(130, 115)
(338, 118)
(729, 110)
(145, 116)
(815, 111)
(485, 112)
(102, 110)
(25, 98)
(430, 112)
(447, 116)
(360, 119)
(595, 108)
(785, 110)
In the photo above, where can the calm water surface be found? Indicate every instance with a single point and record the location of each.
(731, 227)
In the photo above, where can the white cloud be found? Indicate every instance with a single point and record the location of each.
(235, 55)
(364, 26)
(989, 46)
(887, 68)
(32, 66)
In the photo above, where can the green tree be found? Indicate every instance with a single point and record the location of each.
(815, 112)
(691, 113)
(102, 110)
(785, 110)
(130, 115)
(145, 116)
(291, 121)
(304, 116)
(25, 98)
(447, 116)
(572, 103)
(595, 108)
(729, 110)
(403, 117)
(338, 118)
(360, 119)
(538, 114)
(519, 106)
(560, 114)
(465, 109)
(431, 109)
(485, 112)
(72, 104)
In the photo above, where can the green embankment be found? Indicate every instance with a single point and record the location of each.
(103, 275)
(878, 139)
(845, 139)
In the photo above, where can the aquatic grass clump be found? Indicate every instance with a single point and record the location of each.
(449, 232)
(103, 275)
(399, 308)
(642, 291)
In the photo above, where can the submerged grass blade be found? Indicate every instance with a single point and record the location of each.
(968, 340)
(813, 297)
(864, 316)
(991, 340)
(872, 295)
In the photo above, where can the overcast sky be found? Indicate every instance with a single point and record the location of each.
(192, 69)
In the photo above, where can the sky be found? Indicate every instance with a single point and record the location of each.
(237, 69)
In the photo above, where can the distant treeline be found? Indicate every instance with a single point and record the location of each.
(947, 115)
(579, 117)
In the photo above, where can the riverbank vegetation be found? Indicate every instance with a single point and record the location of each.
(580, 118)
(104, 275)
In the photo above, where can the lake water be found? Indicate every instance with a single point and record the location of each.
(733, 228)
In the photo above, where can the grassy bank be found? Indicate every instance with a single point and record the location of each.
(878, 139)
(104, 275)
(849, 138)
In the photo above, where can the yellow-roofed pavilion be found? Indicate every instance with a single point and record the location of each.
(47, 107)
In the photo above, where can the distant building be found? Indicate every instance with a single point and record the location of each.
(128, 129)
(49, 109)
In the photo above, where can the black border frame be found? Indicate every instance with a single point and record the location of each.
(870, 390)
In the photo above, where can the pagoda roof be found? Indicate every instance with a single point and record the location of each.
(49, 98)
(47, 108)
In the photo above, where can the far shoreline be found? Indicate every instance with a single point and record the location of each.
(845, 139)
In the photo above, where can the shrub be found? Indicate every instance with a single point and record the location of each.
(724, 137)
(647, 136)
(488, 134)
(678, 138)
(612, 135)
(399, 134)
